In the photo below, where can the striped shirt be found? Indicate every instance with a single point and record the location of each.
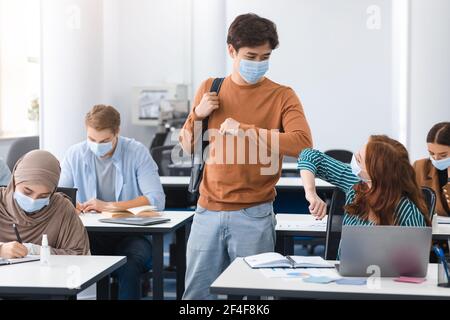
(341, 175)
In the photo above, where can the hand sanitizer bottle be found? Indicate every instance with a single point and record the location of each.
(45, 251)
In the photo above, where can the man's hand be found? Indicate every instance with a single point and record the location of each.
(95, 205)
(209, 103)
(229, 126)
(13, 250)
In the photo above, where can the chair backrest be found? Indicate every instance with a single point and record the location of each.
(341, 155)
(20, 147)
(71, 193)
(430, 199)
(163, 158)
(334, 224)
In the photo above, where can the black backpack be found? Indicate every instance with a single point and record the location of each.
(197, 168)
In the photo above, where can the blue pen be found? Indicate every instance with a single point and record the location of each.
(441, 257)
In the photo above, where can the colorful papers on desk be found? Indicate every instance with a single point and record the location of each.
(352, 281)
(283, 273)
(299, 273)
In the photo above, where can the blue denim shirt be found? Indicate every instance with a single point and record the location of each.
(136, 173)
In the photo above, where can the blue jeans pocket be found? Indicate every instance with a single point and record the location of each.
(260, 211)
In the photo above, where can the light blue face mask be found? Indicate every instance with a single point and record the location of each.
(253, 71)
(356, 169)
(29, 205)
(442, 164)
(100, 149)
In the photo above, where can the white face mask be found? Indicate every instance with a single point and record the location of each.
(30, 205)
(253, 71)
(442, 164)
(356, 169)
(100, 149)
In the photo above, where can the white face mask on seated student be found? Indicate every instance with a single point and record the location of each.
(442, 164)
(438, 143)
(101, 142)
(357, 169)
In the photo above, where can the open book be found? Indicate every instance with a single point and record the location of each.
(144, 211)
(276, 260)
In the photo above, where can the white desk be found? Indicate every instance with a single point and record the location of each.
(63, 279)
(306, 224)
(239, 279)
(283, 182)
(297, 225)
(177, 218)
(179, 223)
(441, 232)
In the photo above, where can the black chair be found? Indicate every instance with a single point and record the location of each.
(341, 155)
(71, 193)
(20, 147)
(334, 224)
(430, 199)
(166, 167)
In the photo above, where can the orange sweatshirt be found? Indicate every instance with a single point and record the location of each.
(242, 170)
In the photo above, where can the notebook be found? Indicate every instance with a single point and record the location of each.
(5, 262)
(276, 260)
(143, 211)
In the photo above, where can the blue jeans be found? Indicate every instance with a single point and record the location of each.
(218, 237)
(138, 251)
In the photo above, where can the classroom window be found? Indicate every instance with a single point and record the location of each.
(19, 67)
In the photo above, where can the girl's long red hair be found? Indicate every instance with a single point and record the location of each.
(392, 177)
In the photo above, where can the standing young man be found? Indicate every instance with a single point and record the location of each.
(112, 172)
(251, 116)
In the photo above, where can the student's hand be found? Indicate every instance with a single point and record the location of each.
(79, 208)
(96, 205)
(209, 103)
(317, 206)
(229, 126)
(13, 250)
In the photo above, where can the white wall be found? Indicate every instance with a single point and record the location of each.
(72, 69)
(430, 71)
(340, 69)
(145, 43)
(343, 72)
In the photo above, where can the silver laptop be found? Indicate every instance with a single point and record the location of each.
(389, 251)
(136, 221)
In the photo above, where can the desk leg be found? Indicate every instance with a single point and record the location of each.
(288, 246)
(279, 245)
(158, 264)
(181, 240)
(104, 288)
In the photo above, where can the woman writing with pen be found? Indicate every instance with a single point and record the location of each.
(30, 208)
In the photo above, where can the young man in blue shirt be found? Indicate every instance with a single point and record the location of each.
(112, 172)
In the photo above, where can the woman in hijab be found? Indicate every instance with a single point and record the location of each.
(31, 204)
